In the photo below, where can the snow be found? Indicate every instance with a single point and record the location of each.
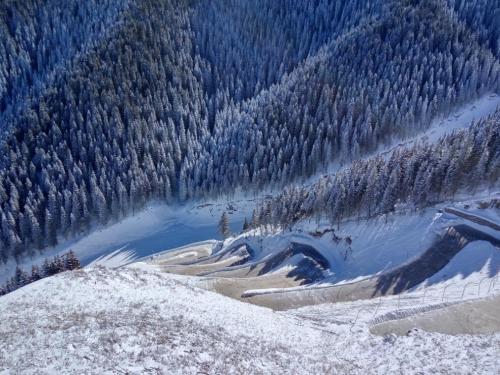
(137, 320)
(160, 227)
(134, 319)
(478, 261)
(130, 317)
(115, 259)
(471, 317)
(379, 244)
(462, 118)
(155, 229)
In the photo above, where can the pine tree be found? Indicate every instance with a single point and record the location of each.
(46, 268)
(58, 264)
(183, 125)
(71, 262)
(255, 222)
(224, 226)
(21, 278)
(246, 225)
(35, 273)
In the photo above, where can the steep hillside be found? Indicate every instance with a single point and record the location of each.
(39, 41)
(102, 141)
(482, 18)
(407, 178)
(139, 320)
(257, 187)
(384, 79)
(248, 46)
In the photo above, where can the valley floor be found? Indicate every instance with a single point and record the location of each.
(155, 229)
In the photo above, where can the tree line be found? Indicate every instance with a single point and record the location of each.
(409, 179)
(59, 263)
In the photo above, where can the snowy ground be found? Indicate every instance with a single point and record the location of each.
(459, 119)
(471, 317)
(137, 320)
(155, 229)
(376, 245)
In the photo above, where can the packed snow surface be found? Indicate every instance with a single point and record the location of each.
(138, 320)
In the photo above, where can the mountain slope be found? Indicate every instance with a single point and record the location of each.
(315, 262)
(407, 178)
(137, 320)
(36, 46)
(384, 79)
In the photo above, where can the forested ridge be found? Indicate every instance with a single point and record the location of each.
(106, 105)
(408, 180)
(39, 40)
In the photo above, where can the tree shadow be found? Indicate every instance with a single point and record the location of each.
(434, 259)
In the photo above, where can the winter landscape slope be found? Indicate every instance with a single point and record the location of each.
(362, 259)
(162, 227)
(250, 187)
(154, 322)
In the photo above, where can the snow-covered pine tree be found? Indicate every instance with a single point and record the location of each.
(224, 229)
(35, 273)
(71, 262)
(246, 225)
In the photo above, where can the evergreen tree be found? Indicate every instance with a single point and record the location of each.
(246, 225)
(224, 230)
(255, 222)
(21, 278)
(35, 273)
(197, 99)
(71, 262)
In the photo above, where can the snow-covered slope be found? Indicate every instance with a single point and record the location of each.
(476, 262)
(155, 229)
(471, 317)
(138, 320)
(364, 258)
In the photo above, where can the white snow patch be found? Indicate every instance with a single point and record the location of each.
(477, 263)
(115, 259)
